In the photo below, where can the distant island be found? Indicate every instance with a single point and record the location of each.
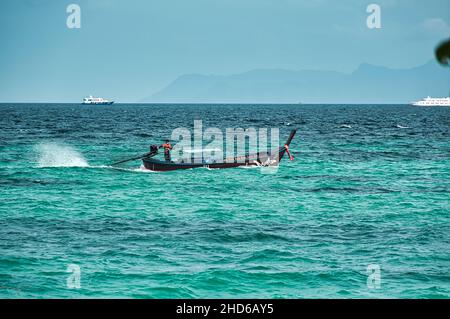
(367, 84)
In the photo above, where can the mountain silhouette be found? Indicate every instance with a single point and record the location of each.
(367, 84)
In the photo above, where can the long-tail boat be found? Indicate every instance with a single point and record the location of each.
(272, 157)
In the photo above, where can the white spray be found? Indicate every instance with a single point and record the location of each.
(59, 155)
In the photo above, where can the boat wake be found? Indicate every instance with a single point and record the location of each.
(58, 155)
(400, 126)
(140, 169)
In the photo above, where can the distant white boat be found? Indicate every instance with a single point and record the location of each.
(432, 101)
(96, 101)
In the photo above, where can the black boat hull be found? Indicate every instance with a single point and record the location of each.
(162, 166)
(260, 159)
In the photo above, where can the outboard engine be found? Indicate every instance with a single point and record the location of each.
(154, 148)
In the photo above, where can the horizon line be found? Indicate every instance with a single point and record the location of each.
(220, 103)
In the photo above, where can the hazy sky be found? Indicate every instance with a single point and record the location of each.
(128, 49)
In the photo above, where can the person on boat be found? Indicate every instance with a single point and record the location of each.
(167, 148)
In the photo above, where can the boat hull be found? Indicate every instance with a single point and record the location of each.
(163, 166)
(259, 159)
(99, 103)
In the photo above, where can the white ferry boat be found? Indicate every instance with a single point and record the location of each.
(96, 101)
(432, 101)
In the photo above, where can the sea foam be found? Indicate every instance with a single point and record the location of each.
(58, 155)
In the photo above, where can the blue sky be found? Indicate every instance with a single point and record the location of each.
(127, 50)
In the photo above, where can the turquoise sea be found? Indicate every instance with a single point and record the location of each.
(370, 185)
